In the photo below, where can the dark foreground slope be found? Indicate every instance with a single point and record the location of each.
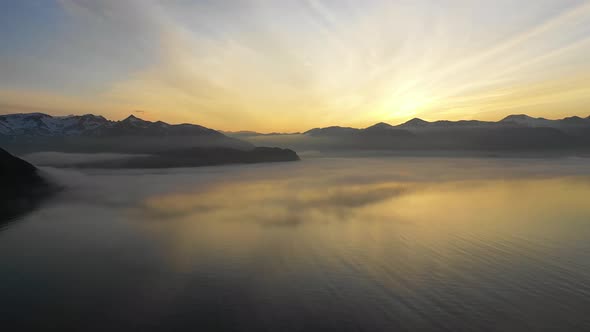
(22, 188)
(195, 157)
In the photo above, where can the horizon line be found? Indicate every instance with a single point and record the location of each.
(131, 115)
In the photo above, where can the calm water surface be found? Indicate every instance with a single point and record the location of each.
(390, 244)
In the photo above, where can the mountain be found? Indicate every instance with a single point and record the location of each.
(415, 123)
(91, 133)
(22, 186)
(248, 133)
(516, 120)
(15, 171)
(378, 136)
(34, 132)
(419, 124)
(526, 121)
(241, 133)
(160, 144)
(133, 126)
(511, 121)
(192, 157)
(379, 126)
(39, 124)
(565, 123)
(331, 131)
(515, 132)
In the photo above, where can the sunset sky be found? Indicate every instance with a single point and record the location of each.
(292, 65)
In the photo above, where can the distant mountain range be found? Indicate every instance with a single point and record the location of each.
(39, 124)
(92, 133)
(160, 144)
(512, 121)
(515, 132)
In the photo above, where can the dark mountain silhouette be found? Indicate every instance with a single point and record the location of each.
(167, 145)
(248, 133)
(134, 126)
(194, 157)
(90, 133)
(39, 124)
(242, 133)
(515, 132)
(331, 131)
(379, 126)
(22, 186)
(415, 123)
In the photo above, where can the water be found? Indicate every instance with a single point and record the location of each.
(388, 244)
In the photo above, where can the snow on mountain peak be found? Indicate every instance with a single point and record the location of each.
(39, 124)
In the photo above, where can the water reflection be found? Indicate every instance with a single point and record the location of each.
(369, 244)
(271, 202)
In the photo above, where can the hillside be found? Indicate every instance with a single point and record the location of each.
(22, 186)
(513, 133)
(91, 133)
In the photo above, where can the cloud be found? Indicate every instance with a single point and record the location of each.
(247, 65)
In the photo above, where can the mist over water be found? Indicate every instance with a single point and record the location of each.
(340, 244)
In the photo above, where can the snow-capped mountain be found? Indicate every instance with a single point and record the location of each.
(39, 124)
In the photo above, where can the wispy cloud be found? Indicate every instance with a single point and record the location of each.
(292, 65)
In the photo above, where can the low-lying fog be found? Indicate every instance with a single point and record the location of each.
(61, 158)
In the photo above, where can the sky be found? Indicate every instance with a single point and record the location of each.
(286, 65)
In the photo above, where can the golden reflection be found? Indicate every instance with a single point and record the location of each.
(468, 204)
(374, 221)
(362, 222)
(273, 202)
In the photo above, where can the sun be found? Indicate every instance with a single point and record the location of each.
(408, 106)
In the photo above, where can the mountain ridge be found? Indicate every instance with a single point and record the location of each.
(41, 132)
(41, 124)
(521, 120)
(518, 132)
(34, 132)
